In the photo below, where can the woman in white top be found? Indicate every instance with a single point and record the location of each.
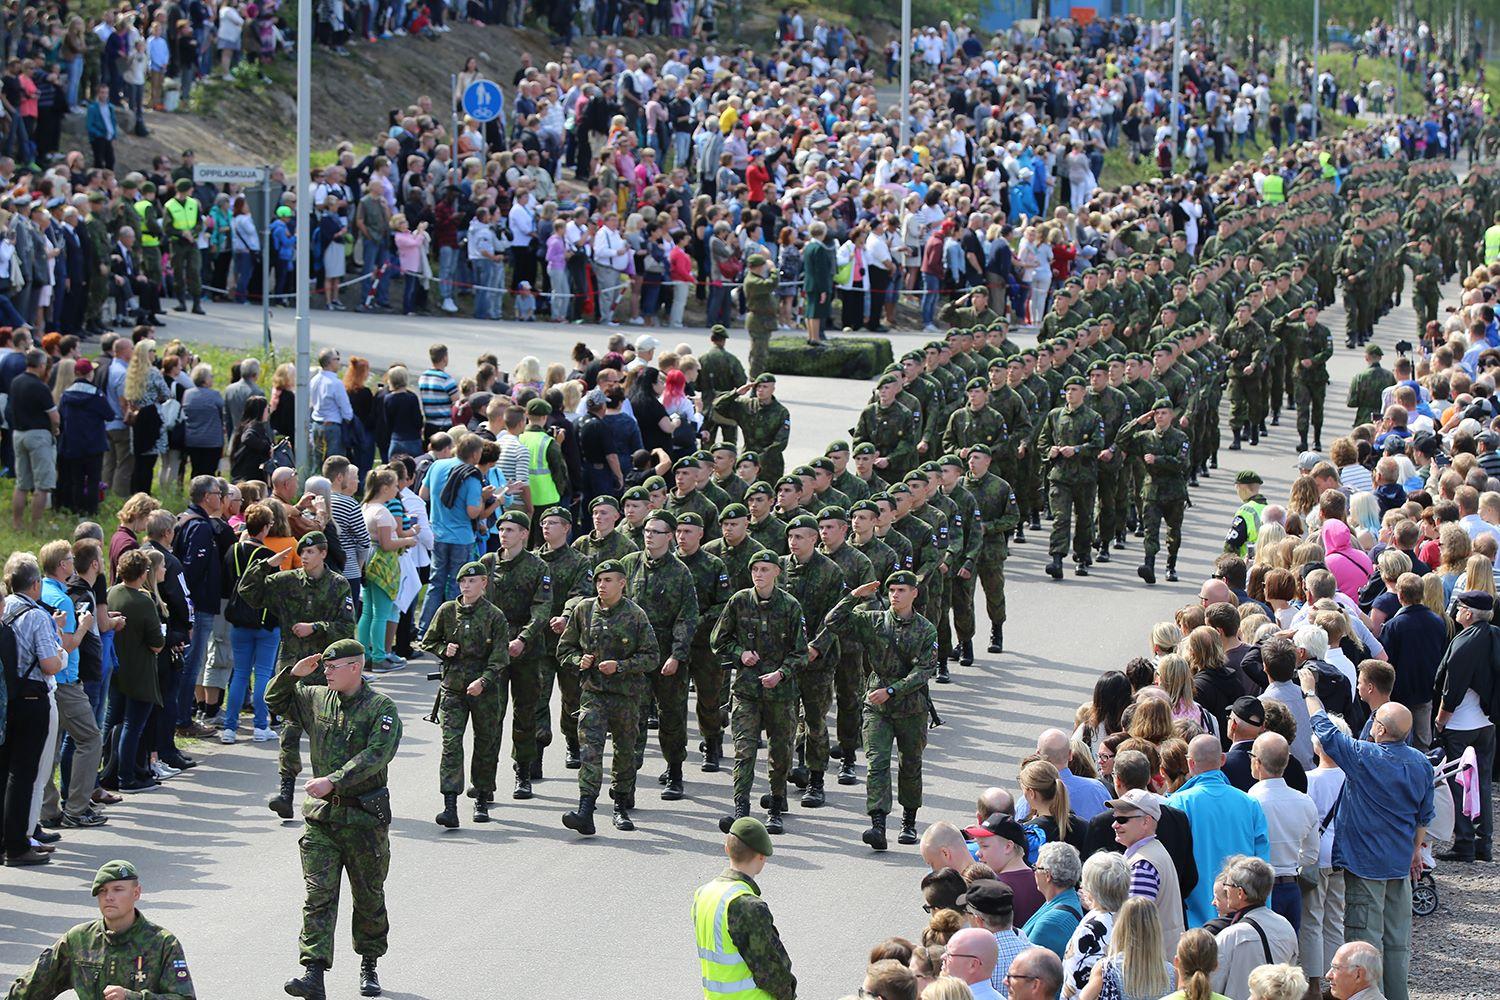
(1104, 889)
(231, 25)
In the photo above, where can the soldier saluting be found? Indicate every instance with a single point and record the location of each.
(469, 635)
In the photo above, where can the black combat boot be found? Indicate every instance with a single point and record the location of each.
(814, 797)
(966, 653)
(369, 982)
(908, 834)
(1054, 568)
(1103, 551)
(875, 835)
(523, 782)
(1080, 567)
(1302, 444)
(1275, 418)
(741, 810)
(281, 805)
(1171, 570)
(570, 760)
(846, 769)
(1147, 570)
(1235, 444)
(536, 766)
(1036, 521)
(673, 791)
(774, 823)
(621, 818)
(799, 772)
(952, 654)
(309, 985)
(713, 753)
(449, 816)
(1020, 536)
(582, 818)
(997, 638)
(942, 673)
(482, 807)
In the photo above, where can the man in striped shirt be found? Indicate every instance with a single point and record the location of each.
(346, 513)
(438, 391)
(1153, 876)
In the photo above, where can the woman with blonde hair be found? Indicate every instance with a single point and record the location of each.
(1479, 574)
(947, 988)
(1277, 982)
(1455, 547)
(1266, 540)
(1135, 969)
(1174, 674)
(1047, 796)
(926, 964)
(1196, 959)
(528, 375)
(1164, 638)
(284, 400)
(1303, 498)
(1151, 721)
(63, 376)
(146, 390)
(1203, 649)
(941, 926)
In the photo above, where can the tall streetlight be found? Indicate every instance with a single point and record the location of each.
(1317, 96)
(1176, 66)
(304, 224)
(905, 71)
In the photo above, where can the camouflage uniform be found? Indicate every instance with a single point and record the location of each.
(769, 534)
(719, 372)
(1316, 345)
(144, 958)
(712, 584)
(760, 321)
(615, 545)
(754, 935)
(997, 514)
(1365, 389)
(522, 589)
(1164, 494)
(766, 427)
(849, 671)
(817, 584)
(571, 578)
(889, 429)
(1113, 406)
(664, 589)
(1073, 481)
(481, 633)
(353, 739)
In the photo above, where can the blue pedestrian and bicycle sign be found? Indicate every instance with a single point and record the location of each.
(483, 100)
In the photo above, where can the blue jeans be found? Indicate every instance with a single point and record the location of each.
(131, 716)
(930, 300)
(376, 254)
(404, 446)
(254, 655)
(327, 439)
(409, 285)
(447, 559)
(75, 74)
(244, 269)
(447, 270)
(487, 280)
(192, 666)
(1286, 899)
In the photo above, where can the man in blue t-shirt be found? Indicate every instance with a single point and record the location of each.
(75, 713)
(453, 509)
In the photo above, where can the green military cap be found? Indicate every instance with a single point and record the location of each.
(802, 521)
(606, 500)
(654, 484)
(1162, 403)
(976, 383)
(1073, 380)
(887, 379)
(914, 476)
(955, 332)
(833, 513)
(662, 515)
(312, 539)
(343, 649)
(1169, 305)
(473, 569)
(609, 566)
(789, 480)
(183, 184)
(928, 468)
(1247, 478)
(1425, 238)
(951, 459)
(891, 369)
(755, 260)
(1030, 353)
(1179, 282)
(760, 488)
(1162, 348)
(867, 505)
(98, 197)
(635, 493)
(765, 556)
(514, 517)
(1310, 304)
(836, 447)
(765, 378)
(1116, 359)
(130, 184)
(901, 578)
(1015, 359)
(703, 455)
(748, 456)
(538, 408)
(752, 833)
(560, 513)
(934, 345)
(982, 449)
(1374, 351)
(1136, 356)
(688, 517)
(998, 324)
(879, 495)
(685, 462)
(1000, 362)
(865, 448)
(723, 446)
(147, 187)
(1243, 304)
(896, 488)
(717, 330)
(1252, 288)
(978, 289)
(916, 356)
(1073, 281)
(821, 464)
(1098, 365)
(732, 511)
(803, 470)
(114, 871)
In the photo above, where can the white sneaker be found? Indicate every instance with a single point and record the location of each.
(637, 321)
(449, 306)
(929, 328)
(162, 772)
(227, 737)
(264, 735)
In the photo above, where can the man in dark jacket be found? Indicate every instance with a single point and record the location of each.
(1466, 685)
(1414, 640)
(1133, 770)
(160, 533)
(196, 546)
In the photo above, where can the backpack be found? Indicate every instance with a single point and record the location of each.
(15, 686)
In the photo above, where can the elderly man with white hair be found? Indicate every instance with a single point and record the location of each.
(1291, 824)
(1255, 932)
(1058, 870)
(1086, 796)
(1354, 973)
(1320, 584)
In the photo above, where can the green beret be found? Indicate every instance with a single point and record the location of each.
(979, 290)
(732, 511)
(836, 447)
(514, 517)
(955, 332)
(129, 184)
(1169, 305)
(765, 378)
(765, 556)
(1247, 478)
(865, 448)
(147, 187)
(913, 476)
(718, 330)
(748, 456)
(789, 480)
(1251, 289)
(866, 505)
(760, 488)
(473, 569)
(952, 461)
(1374, 351)
(666, 516)
(936, 345)
(1028, 355)
(702, 455)
(538, 408)
(114, 871)
(654, 484)
(685, 462)
(887, 379)
(606, 500)
(559, 512)
(342, 649)
(752, 833)
(723, 446)
(755, 260)
(802, 470)
(928, 468)
(609, 566)
(897, 488)
(1162, 348)
(880, 495)
(1115, 359)
(1073, 380)
(311, 540)
(997, 326)
(977, 383)
(1000, 362)
(1099, 365)
(902, 577)
(635, 493)
(913, 356)
(1020, 358)
(1310, 304)
(1162, 403)
(183, 184)
(802, 521)
(821, 464)
(833, 513)
(98, 197)
(688, 517)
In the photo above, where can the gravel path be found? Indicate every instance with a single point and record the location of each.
(1454, 950)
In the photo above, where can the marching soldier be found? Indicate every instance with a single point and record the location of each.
(816, 582)
(1366, 387)
(854, 563)
(469, 636)
(765, 423)
(976, 423)
(1070, 439)
(688, 495)
(887, 424)
(572, 575)
(1354, 264)
(761, 634)
(609, 641)
(1244, 342)
(353, 731)
(1314, 349)
(1113, 407)
(967, 542)
(718, 372)
(998, 514)
(605, 541)
(766, 529)
(969, 310)
(1165, 453)
(711, 584)
(1427, 275)
(760, 308)
(316, 602)
(901, 651)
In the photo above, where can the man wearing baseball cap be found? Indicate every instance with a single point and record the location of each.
(1000, 842)
(738, 945)
(1152, 871)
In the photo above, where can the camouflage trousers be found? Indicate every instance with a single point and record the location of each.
(849, 693)
(98, 291)
(747, 720)
(567, 721)
(1276, 385)
(760, 350)
(1152, 515)
(328, 851)
(671, 694)
(1310, 409)
(963, 606)
(186, 265)
(989, 573)
(943, 595)
(613, 714)
(1073, 509)
(456, 710)
(1112, 500)
(708, 678)
(1425, 301)
(289, 759)
(523, 681)
(909, 735)
(1244, 401)
(815, 693)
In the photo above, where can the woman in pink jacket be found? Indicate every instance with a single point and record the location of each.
(1348, 564)
(411, 248)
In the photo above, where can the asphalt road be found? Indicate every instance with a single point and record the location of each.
(524, 907)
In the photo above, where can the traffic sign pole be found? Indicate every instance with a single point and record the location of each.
(265, 264)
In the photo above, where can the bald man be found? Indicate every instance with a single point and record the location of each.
(1382, 817)
(1216, 591)
(1224, 821)
(1086, 796)
(994, 800)
(971, 956)
(1293, 824)
(943, 846)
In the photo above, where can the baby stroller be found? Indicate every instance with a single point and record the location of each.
(1424, 892)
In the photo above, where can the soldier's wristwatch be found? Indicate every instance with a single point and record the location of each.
(891, 691)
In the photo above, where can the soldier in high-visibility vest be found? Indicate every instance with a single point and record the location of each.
(740, 955)
(183, 223)
(546, 471)
(1273, 191)
(1245, 528)
(149, 225)
(1492, 242)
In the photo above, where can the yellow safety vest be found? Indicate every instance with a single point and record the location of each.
(142, 206)
(543, 489)
(1250, 512)
(1274, 190)
(725, 974)
(1492, 244)
(1329, 170)
(184, 216)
